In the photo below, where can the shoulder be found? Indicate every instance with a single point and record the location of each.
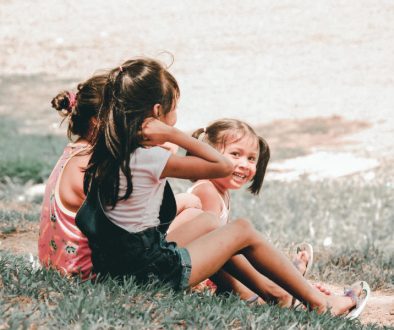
(206, 191)
(201, 186)
(205, 187)
(154, 153)
(150, 161)
(73, 172)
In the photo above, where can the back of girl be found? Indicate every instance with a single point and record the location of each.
(61, 244)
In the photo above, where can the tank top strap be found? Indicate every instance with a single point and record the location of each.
(70, 151)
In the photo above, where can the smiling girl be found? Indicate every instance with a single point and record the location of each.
(249, 155)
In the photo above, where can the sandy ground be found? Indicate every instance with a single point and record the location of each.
(273, 64)
(256, 60)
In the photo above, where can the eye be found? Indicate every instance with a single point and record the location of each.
(234, 153)
(252, 159)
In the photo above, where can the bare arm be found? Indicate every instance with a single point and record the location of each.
(210, 200)
(186, 201)
(206, 162)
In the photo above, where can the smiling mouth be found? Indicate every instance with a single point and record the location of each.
(239, 175)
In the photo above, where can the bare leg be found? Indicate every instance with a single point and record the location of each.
(193, 223)
(249, 276)
(227, 283)
(189, 225)
(211, 251)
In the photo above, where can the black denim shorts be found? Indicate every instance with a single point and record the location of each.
(165, 260)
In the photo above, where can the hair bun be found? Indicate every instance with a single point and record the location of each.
(64, 101)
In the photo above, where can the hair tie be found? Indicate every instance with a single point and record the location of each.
(72, 101)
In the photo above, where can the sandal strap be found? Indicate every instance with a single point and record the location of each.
(252, 299)
(349, 292)
(297, 263)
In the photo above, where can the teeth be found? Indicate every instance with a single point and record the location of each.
(239, 175)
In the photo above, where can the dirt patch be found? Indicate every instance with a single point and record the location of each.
(293, 138)
(21, 241)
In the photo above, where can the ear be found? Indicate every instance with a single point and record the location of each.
(157, 110)
(94, 121)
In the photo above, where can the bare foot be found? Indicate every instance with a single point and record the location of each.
(322, 288)
(357, 294)
(339, 305)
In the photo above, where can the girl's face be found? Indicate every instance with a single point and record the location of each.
(170, 117)
(244, 155)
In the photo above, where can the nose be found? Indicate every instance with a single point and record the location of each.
(243, 162)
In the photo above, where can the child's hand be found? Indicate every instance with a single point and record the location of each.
(186, 201)
(154, 132)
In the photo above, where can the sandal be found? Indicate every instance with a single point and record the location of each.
(300, 248)
(252, 299)
(308, 248)
(360, 300)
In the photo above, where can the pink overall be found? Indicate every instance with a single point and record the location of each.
(61, 245)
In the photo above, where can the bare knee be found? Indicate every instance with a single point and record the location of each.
(244, 225)
(246, 229)
(211, 222)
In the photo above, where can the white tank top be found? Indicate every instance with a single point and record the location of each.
(224, 212)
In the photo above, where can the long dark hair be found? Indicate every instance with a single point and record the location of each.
(223, 131)
(128, 99)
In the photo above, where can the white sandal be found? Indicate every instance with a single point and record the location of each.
(300, 248)
(309, 249)
(359, 300)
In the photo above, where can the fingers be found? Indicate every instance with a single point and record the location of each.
(143, 139)
(146, 122)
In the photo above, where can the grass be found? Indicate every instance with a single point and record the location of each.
(353, 214)
(349, 212)
(28, 157)
(41, 298)
(17, 214)
(345, 266)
